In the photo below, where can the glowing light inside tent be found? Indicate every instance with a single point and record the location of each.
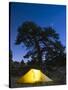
(33, 76)
(36, 75)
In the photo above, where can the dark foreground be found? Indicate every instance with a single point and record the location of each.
(16, 85)
(58, 77)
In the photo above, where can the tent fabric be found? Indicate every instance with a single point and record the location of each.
(33, 76)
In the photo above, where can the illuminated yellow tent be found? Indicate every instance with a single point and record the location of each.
(33, 76)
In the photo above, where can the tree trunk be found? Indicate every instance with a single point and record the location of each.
(39, 54)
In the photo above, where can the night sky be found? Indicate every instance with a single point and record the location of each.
(43, 15)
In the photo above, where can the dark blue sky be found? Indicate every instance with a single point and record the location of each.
(43, 15)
